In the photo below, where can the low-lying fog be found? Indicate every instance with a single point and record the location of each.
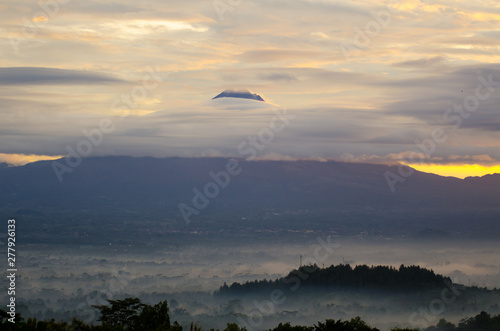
(66, 281)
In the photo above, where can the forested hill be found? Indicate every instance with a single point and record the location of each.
(343, 276)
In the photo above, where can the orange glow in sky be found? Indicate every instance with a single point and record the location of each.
(457, 170)
(22, 159)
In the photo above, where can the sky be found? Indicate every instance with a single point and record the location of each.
(416, 82)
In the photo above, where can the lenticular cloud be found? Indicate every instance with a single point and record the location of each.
(242, 94)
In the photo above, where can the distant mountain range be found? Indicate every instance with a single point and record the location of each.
(347, 197)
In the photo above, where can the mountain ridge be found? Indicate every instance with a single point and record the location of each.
(348, 197)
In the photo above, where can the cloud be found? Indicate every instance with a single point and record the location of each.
(482, 159)
(416, 158)
(426, 62)
(393, 90)
(51, 76)
(275, 55)
(22, 159)
(392, 158)
(100, 8)
(276, 76)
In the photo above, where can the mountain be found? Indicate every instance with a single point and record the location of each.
(349, 198)
(243, 94)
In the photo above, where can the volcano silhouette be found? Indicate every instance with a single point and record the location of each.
(242, 94)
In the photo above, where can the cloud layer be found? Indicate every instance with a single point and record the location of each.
(367, 79)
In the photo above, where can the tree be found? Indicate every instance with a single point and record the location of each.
(483, 322)
(4, 320)
(78, 325)
(195, 327)
(233, 327)
(176, 327)
(359, 325)
(331, 325)
(288, 327)
(442, 325)
(124, 313)
(355, 324)
(154, 318)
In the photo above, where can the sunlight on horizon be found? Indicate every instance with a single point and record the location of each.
(457, 170)
(22, 159)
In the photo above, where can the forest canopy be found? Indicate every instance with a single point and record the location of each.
(131, 314)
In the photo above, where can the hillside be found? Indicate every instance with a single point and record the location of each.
(406, 279)
(267, 195)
